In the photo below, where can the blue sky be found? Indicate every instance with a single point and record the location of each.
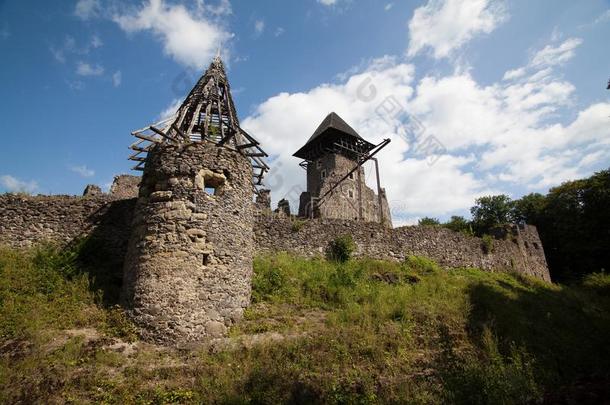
(513, 92)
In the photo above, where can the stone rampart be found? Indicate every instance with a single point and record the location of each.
(27, 220)
(31, 220)
(515, 248)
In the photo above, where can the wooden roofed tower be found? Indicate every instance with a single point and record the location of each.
(334, 135)
(207, 114)
(333, 157)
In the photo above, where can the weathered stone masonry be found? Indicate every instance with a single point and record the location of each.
(516, 248)
(189, 261)
(28, 220)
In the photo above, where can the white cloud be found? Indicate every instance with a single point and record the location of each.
(259, 27)
(541, 64)
(279, 31)
(328, 2)
(68, 46)
(603, 18)
(170, 109)
(388, 6)
(117, 78)
(75, 85)
(12, 184)
(556, 55)
(222, 8)
(96, 42)
(188, 36)
(446, 25)
(500, 137)
(514, 74)
(83, 171)
(85, 69)
(86, 9)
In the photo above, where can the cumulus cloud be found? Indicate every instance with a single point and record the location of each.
(499, 137)
(83, 171)
(190, 36)
(86, 69)
(446, 25)
(13, 184)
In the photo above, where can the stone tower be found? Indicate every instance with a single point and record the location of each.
(336, 188)
(189, 261)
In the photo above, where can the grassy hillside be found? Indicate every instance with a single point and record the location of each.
(361, 332)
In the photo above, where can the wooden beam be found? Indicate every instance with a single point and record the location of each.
(257, 154)
(206, 122)
(146, 137)
(247, 145)
(140, 149)
(226, 138)
(260, 162)
(182, 134)
(195, 118)
(134, 154)
(163, 134)
(222, 130)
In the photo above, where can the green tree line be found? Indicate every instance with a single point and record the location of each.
(573, 221)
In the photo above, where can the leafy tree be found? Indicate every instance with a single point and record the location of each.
(573, 222)
(491, 211)
(428, 221)
(459, 224)
(529, 208)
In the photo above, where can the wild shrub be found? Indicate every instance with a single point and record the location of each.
(485, 376)
(267, 281)
(487, 244)
(421, 265)
(598, 282)
(341, 248)
(296, 225)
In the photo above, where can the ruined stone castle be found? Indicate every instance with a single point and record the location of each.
(185, 232)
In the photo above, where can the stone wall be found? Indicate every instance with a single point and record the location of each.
(188, 268)
(28, 220)
(125, 186)
(32, 220)
(517, 248)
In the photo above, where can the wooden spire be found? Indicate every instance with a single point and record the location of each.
(207, 114)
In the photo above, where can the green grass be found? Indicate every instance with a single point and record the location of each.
(363, 331)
